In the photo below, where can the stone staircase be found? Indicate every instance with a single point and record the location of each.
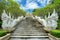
(29, 29)
(29, 38)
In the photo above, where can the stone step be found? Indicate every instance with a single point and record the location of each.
(29, 29)
(29, 38)
(41, 34)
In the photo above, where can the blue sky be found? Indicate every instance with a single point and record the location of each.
(29, 5)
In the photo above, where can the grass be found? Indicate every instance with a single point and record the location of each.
(55, 33)
(3, 33)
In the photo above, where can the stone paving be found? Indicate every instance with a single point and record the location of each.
(29, 27)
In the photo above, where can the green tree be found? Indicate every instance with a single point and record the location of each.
(2, 6)
(49, 8)
(12, 7)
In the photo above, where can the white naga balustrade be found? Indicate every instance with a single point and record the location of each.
(8, 21)
(50, 21)
(42, 21)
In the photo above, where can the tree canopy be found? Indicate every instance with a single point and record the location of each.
(11, 6)
(49, 8)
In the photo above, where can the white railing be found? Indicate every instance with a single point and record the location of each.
(8, 21)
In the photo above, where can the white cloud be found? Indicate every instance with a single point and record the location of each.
(22, 7)
(49, 1)
(28, 1)
(42, 1)
(18, 0)
(32, 5)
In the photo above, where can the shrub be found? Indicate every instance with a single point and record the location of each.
(3, 33)
(0, 23)
(58, 24)
(55, 33)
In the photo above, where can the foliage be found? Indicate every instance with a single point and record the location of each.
(49, 8)
(2, 6)
(58, 24)
(0, 23)
(3, 33)
(55, 33)
(12, 7)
